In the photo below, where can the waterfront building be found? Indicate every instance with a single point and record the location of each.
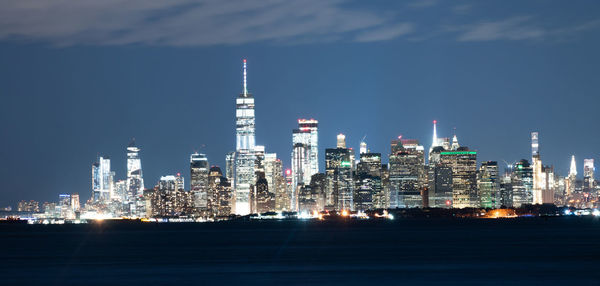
(506, 191)
(536, 164)
(338, 170)
(169, 199)
(102, 180)
(220, 192)
(283, 197)
(407, 173)
(439, 180)
(548, 184)
(199, 170)
(311, 197)
(522, 183)
(29, 206)
(588, 175)
(305, 154)
(265, 200)
(489, 185)
(463, 163)
(369, 185)
(244, 176)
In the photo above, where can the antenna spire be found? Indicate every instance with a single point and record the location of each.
(435, 139)
(245, 85)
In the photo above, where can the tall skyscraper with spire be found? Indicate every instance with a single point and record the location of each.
(244, 147)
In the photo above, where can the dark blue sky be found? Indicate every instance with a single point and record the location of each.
(82, 79)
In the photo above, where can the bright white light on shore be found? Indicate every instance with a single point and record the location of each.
(304, 215)
(596, 212)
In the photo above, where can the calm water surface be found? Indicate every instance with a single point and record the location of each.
(526, 251)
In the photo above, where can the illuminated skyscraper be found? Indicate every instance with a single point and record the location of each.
(220, 190)
(571, 179)
(506, 192)
(488, 184)
(522, 184)
(199, 169)
(407, 173)
(338, 167)
(299, 164)
(245, 157)
(368, 190)
(464, 176)
(305, 154)
(439, 181)
(265, 199)
(548, 185)
(135, 180)
(369, 177)
(312, 196)
(588, 175)
(169, 198)
(538, 180)
(283, 197)
(102, 180)
(64, 203)
(273, 171)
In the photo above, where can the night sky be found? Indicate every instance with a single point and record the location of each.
(80, 79)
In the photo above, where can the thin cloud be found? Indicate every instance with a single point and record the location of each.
(182, 22)
(520, 28)
(385, 33)
(237, 22)
(516, 28)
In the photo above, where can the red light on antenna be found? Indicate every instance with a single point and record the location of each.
(288, 172)
(244, 60)
(435, 122)
(178, 174)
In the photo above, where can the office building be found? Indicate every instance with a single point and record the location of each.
(463, 163)
(338, 171)
(102, 180)
(407, 173)
(588, 175)
(489, 185)
(244, 176)
(199, 170)
(522, 183)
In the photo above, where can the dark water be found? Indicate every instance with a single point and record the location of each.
(528, 251)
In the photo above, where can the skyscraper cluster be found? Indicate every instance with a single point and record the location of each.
(445, 175)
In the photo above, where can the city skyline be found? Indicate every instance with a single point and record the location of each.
(249, 159)
(90, 99)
